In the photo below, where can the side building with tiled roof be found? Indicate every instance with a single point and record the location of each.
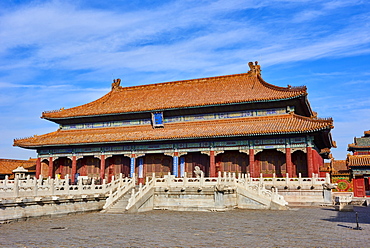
(233, 123)
(359, 164)
(340, 176)
(7, 167)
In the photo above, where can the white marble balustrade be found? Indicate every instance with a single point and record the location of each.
(32, 187)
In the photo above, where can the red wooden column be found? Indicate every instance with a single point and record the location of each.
(252, 169)
(288, 160)
(38, 167)
(309, 161)
(317, 161)
(212, 164)
(74, 168)
(102, 167)
(51, 167)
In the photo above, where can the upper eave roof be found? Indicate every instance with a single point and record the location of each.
(249, 126)
(213, 91)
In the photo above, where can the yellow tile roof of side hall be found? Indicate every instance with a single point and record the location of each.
(8, 165)
(229, 89)
(248, 126)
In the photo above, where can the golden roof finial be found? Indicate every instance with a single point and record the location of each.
(116, 83)
(255, 68)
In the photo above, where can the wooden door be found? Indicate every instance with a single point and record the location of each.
(359, 186)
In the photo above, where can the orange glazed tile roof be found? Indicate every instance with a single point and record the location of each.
(353, 145)
(8, 165)
(238, 88)
(339, 165)
(249, 126)
(358, 160)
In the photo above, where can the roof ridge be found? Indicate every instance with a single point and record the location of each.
(195, 80)
(107, 95)
(317, 119)
(280, 88)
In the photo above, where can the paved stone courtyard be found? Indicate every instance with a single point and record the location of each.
(322, 227)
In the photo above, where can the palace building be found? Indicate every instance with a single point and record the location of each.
(359, 165)
(234, 123)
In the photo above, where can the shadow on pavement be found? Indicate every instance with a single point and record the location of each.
(350, 217)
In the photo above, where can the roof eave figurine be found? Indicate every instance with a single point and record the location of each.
(116, 84)
(255, 68)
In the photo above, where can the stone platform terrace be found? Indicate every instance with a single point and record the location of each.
(298, 227)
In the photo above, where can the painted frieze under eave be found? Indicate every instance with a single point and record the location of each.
(240, 127)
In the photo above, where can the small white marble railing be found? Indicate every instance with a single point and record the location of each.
(261, 191)
(172, 181)
(143, 190)
(229, 180)
(345, 198)
(291, 183)
(123, 188)
(32, 187)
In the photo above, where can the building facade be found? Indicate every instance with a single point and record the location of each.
(233, 123)
(359, 164)
(340, 176)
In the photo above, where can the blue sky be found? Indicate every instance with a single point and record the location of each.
(57, 54)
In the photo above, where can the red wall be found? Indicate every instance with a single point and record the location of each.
(318, 162)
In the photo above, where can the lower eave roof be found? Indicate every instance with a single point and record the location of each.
(266, 125)
(352, 146)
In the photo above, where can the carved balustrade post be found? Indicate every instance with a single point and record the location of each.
(201, 179)
(185, 179)
(35, 186)
(16, 186)
(52, 187)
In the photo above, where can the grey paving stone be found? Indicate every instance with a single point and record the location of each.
(298, 227)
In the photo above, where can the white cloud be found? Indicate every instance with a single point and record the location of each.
(177, 40)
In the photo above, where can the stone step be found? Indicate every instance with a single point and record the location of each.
(120, 205)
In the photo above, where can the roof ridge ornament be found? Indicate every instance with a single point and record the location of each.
(116, 84)
(255, 69)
